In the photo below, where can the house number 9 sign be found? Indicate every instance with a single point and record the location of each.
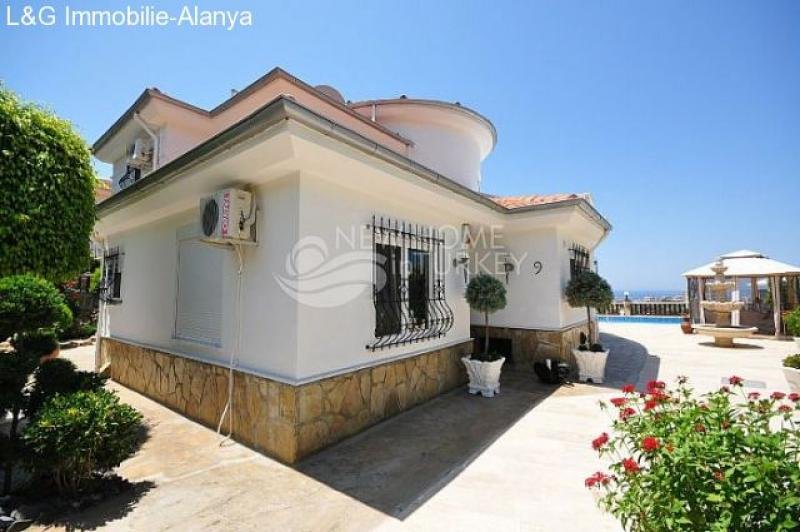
(537, 267)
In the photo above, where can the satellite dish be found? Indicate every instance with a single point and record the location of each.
(331, 93)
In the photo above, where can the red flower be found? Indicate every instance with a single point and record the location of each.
(653, 386)
(618, 401)
(650, 404)
(630, 465)
(753, 396)
(597, 478)
(735, 381)
(628, 388)
(719, 475)
(778, 395)
(625, 413)
(699, 428)
(794, 396)
(600, 441)
(784, 409)
(650, 444)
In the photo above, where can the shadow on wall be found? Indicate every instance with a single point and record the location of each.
(400, 463)
(628, 362)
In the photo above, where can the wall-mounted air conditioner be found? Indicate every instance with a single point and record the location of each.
(228, 217)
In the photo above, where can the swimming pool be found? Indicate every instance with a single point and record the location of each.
(610, 318)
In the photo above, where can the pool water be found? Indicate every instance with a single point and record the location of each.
(639, 319)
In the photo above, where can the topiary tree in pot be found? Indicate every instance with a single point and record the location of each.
(487, 295)
(30, 310)
(587, 289)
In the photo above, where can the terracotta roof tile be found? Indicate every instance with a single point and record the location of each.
(517, 202)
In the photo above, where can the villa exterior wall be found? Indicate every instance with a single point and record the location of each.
(281, 420)
(146, 314)
(335, 329)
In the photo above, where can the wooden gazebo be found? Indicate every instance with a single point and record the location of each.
(768, 287)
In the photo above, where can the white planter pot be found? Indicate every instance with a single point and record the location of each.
(591, 365)
(793, 378)
(484, 377)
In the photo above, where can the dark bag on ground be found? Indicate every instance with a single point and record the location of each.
(551, 371)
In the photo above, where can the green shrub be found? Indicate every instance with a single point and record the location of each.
(722, 461)
(36, 343)
(60, 376)
(587, 289)
(792, 361)
(78, 435)
(30, 309)
(29, 303)
(487, 295)
(47, 204)
(78, 330)
(95, 278)
(792, 321)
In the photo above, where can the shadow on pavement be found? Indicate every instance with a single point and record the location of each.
(107, 511)
(400, 463)
(628, 362)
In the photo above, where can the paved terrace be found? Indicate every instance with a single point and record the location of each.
(516, 462)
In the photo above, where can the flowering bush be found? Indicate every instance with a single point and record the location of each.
(722, 461)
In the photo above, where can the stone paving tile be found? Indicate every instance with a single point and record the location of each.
(516, 462)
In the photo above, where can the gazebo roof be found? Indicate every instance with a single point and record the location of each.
(746, 263)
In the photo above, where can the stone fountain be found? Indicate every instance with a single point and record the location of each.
(722, 331)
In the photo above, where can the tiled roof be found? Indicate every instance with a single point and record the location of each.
(102, 190)
(517, 202)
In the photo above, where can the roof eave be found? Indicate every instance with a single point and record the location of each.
(285, 108)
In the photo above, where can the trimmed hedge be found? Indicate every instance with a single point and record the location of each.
(78, 435)
(29, 303)
(47, 204)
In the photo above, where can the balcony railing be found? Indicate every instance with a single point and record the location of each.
(648, 308)
(131, 176)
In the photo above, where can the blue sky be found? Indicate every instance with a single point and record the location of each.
(682, 118)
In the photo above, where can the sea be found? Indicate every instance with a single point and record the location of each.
(650, 295)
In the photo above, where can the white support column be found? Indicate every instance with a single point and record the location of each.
(701, 287)
(735, 297)
(776, 302)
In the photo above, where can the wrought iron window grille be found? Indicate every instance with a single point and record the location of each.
(111, 288)
(408, 284)
(579, 260)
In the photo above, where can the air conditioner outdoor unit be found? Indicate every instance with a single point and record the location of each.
(228, 216)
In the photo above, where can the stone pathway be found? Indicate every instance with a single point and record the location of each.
(516, 462)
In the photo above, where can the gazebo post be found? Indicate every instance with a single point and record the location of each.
(735, 297)
(701, 287)
(776, 302)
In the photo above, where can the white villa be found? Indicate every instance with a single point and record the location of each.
(294, 264)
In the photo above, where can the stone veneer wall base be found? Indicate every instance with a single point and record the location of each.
(284, 421)
(532, 345)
